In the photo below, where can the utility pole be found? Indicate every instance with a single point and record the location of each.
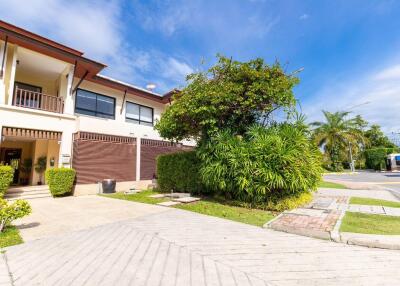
(352, 167)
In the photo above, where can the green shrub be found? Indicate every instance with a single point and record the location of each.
(179, 172)
(6, 177)
(267, 165)
(375, 158)
(10, 212)
(60, 181)
(277, 205)
(289, 203)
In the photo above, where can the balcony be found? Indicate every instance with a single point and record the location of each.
(37, 100)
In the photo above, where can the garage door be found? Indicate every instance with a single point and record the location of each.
(100, 156)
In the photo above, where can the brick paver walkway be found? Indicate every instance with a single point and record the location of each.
(309, 222)
(183, 248)
(318, 219)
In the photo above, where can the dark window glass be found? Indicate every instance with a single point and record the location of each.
(90, 103)
(140, 114)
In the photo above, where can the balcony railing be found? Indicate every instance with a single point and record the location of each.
(37, 100)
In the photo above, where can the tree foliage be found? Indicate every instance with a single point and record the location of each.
(12, 211)
(6, 178)
(230, 95)
(376, 138)
(337, 134)
(266, 164)
(375, 158)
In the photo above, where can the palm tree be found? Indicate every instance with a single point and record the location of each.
(337, 134)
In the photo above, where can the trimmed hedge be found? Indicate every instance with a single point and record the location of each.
(375, 158)
(179, 172)
(60, 181)
(6, 177)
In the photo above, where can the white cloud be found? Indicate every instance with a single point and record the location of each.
(175, 69)
(91, 28)
(389, 73)
(97, 29)
(304, 17)
(165, 16)
(375, 96)
(216, 22)
(261, 26)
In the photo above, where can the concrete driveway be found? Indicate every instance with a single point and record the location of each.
(62, 215)
(176, 247)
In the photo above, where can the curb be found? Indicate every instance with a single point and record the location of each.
(371, 242)
(393, 192)
(335, 234)
(268, 223)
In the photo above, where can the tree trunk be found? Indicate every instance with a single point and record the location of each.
(2, 225)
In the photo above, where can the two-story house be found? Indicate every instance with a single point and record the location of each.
(54, 103)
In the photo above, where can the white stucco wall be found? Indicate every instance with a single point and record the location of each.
(118, 126)
(12, 116)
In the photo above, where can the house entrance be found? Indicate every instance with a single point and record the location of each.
(12, 157)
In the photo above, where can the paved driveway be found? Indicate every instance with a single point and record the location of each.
(177, 247)
(62, 215)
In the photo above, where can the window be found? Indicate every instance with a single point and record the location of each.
(139, 114)
(94, 104)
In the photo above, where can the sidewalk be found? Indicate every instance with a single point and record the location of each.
(322, 219)
(381, 210)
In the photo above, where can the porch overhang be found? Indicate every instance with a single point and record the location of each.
(29, 134)
(31, 41)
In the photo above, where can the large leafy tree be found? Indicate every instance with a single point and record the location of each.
(377, 138)
(338, 133)
(231, 95)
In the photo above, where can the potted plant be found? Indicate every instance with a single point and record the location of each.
(40, 167)
(26, 169)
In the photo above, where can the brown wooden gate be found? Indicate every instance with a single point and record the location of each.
(100, 156)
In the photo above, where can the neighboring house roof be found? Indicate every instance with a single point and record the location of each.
(83, 65)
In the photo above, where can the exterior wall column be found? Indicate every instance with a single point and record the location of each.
(65, 156)
(12, 76)
(69, 97)
(138, 148)
(2, 85)
(39, 150)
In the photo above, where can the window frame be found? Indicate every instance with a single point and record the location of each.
(96, 112)
(139, 121)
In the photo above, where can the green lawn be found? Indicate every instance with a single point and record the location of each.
(142, 197)
(215, 208)
(211, 207)
(331, 185)
(373, 202)
(370, 224)
(10, 237)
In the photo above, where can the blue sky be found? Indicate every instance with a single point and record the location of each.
(350, 50)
